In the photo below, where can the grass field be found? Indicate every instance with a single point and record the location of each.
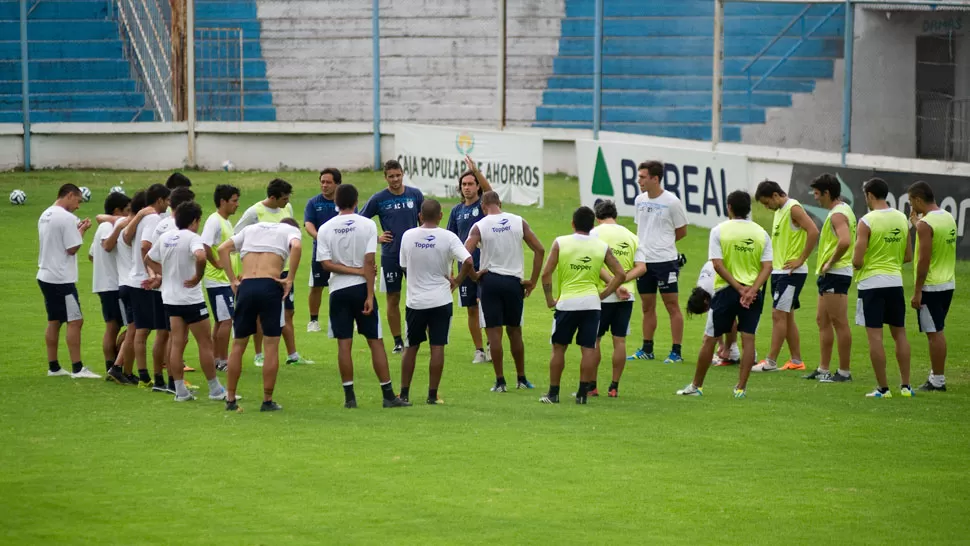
(86, 462)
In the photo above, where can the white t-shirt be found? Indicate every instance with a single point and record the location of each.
(123, 256)
(706, 279)
(427, 255)
(143, 232)
(164, 225)
(58, 232)
(346, 239)
(212, 236)
(266, 237)
(656, 221)
(105, 275)
(501, 236)
(175, 250)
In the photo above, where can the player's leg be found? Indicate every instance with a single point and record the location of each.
(176, 356)
(902, 354)
(720, 319)
(937, 344)
(434, 373)
(557, 363)
(246, 323)
(271, 367)
(517, 348)
(415, 328)
(494, 336)
(587, 328)
(394, 318)
(704, 357)
(747, 361)
(877, 355)
(931, 318)
(792, 292)
(109, 342)
(794, 341)
(313, 302)
(203, 338)
(648, 303)
(619, 363)
(369, 326)
(439, 328)
(672, 304)
(826, 337)
(513, 311)
(475, 329)
(838, 308)
(272, 318)
(74, 321)
(468, 298)
(234, 367)
(619, 325)
(52, 335)
(293, 356)
(259, 357)
(748, 319)
(56, 314)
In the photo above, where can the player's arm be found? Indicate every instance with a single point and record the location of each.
(200, 261)
(721, 270)
(370, 273)
(342, 269)
(471, 243)
(132, 227)
(802, 220)
(680, 233)
(639, 269)
(296, 252)
(225, 262)
(152, 258)
(618, 275)
(908, 256)
(538, 253)
(310, 229)
(473, 167)
(679, 219)
(102, 218)
(248, 218)
(465, 269)
(547, 272)
(211, 256)
(841, 226)
(861, 245)
(925, 235)
(111, 241)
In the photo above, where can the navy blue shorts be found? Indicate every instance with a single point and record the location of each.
(432, 325)
(288, 303)
(347, 308)
(149, 310)
(61, 302)
(726, 308)
(615, 318)
(833, 284)
(319, 277)
(223, 303)
(468, 293)
(260, 299)
(878, 306)
(502, 300)
(581, 325)
(124, 294)
(660, 277)
(190, 314)
(392, 276)
(933, 310)
(112, 308)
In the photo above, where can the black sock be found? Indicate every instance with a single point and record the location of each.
(53, 365)
(884, 390)
(521, 379)
(132, 377)
(405, 392)
(171, 383)
(159, 380)
(349, 393)
(647, 346)
(553, 390)
(143, 376)
(77, 366)
(117, 369)
(387, 389)
(500, 380)
(615, 386)
(901, 387)
(432, 395)
(675, 349)
(583, 389)
(479, 349)
(592, 385)
(313, 318)
(398, 340)
(108, 364)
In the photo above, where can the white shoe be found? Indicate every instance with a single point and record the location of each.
(85, 374)
(690, 390)
(313, 326)
(58, 373)
(735, 354)
(186, 398)
(764, 366)
(258, 361)
(480, 357)
(222, 395)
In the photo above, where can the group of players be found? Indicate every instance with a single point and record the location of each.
(151, 264)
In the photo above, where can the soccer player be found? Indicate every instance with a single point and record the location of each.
(427, 253)
(178, 180)
(180, 258)
(217, 230)
(105, 285)
(346, 246)
(617, 308)
(275, 208)
(122, 253)
(318, 210)
(263, 248)
(936, 247)
(577, 260)
(740, 251)
(699, 303)
(397, 208)
(834, 272)
(61, 235)
(881, 249)
(166, 222)
(471, 185)
(661, 222)
(501, 281)
(793, 238)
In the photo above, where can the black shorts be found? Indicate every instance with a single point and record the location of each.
(319, 277)
(149, 310)
(468, 293)
(833, 284)
(615, 318)
(260, 299)
(223, 302)
(190, 314)
(502, 300)
(660, 277)
(430, 325)
(288, 302)
(347, 308)
(785, 289)
(112, 308)
(878, 306)
(124, 294)
(392, 276)
(933, 310)
(581, 325)
(61, 302)
(726, 308)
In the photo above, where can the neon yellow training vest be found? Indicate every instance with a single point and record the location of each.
(623, 243)
(580, 262)
(943, 253)
(887, 244)
(217, 275)
(828, 241)
(786, 243)
(263, 214)
(742, 244)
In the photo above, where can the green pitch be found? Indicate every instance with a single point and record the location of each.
(82, 461)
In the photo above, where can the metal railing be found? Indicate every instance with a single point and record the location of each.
(219, 74)
(148, 43)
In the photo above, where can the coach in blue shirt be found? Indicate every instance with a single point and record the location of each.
(318, 210)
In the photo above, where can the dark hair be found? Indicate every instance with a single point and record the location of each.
(491, 198)
(740, 203)
(68, 189)
(392, 165)
(768, 188)
(180, 195)
(224, 192)
(156, 192)
(922, 190)
(186, 213)
(877, 187)
(605, 208)
(654, 168)
(115, 201)
(290, 222)
(477, 183)
(583, 219)
(346, 197)
(278, 188)
(430, 209)
(335, 173)
(699, 302)
(139, 201)
(828, 183)
(177, 180)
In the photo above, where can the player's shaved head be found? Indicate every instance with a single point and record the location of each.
(491, 198)
(430, 209)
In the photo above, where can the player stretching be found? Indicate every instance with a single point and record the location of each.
(617, 308)
(793, 238)
(105, 285)
(179, 257)
(397, 208)
(881, 249)
(217, 230)
(936, 247)
(834, 277)
(263, 247)
(427, 253)
(699, 303)
(661, 222)
(500, 278)
(346, 245)
(61, 235)
(471, 185)
(318, 211)
(740, 251)
(577, 261)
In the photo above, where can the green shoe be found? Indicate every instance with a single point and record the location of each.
(299, 361)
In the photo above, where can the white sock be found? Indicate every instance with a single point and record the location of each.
(796, 360)
(771, 362)
(214, 386)
(295, 355)
(843, 373)
(259, 355)
(180, 389)
(937, 380)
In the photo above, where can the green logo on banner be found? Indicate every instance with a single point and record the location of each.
(602, 185)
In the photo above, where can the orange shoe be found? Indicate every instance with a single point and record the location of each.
(191, 369)
(792, 366)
